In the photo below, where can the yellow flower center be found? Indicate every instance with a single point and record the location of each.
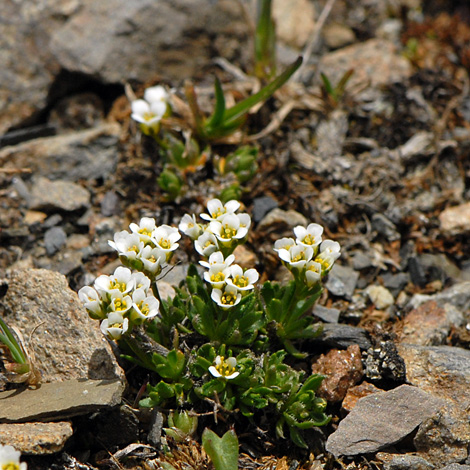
(208, 244)
(228, 298)
(224, 368)
(241, 281)
(144, 308)
(145, 231)
(228, 232)
(133, 248)
(10, 466)
(165, 243)
(220, 211)
(148, 116)
(313, 268)
(118, 285)
(218, 277)
(324, 263)
(120, 305)
(309, 239)
(298, 257)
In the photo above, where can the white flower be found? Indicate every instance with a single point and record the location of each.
(227, 298)
(119, 282)
(127, 244)
(147, 114)
(330, 251)
(120, 303)
(297, 256)
(144, 306)
(156, 94)
(224, 368)
(217, 258)
(114, 326)
(10, 458)
(141, 281)
(144, 229)
(217, 275)
(153, 259)
(284, 243)
(217, 210)
(165, 238)
(310, 236)
(232, 227)
(190, 227)
(242, 280)
(206, 244)
(313, 271)
(91, 301)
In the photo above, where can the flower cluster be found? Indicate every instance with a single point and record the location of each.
(224, 231)
(10, 458)
(308, 255)
(147, 247)
(121, 301)
(148, 112)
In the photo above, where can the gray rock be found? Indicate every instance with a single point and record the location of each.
(156, 424)
(120, 40)
(458, 296)
(47, 195)
(455, 466)
(278, 219)
(36, 438)
(110, 204)
(60, 400)
(404, 462)
(381, 420)
(66, 342)
(441, 370)
(385, 227)
(54, 239)
(329, 315)
(361, 260)
(261, 206)
(342, 281)
(444, 438)
(455, 220)
(88, 154)
(338, 335)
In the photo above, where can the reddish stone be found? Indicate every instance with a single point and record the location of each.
(356, 393)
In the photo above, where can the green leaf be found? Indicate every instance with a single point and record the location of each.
(297, 438)
(222, 451)
(217, 117)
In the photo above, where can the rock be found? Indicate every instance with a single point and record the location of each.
(60, 400)
(110, 204)
(417, 272)
(457, 296)
(455, 220)
(36, 438)
(330, 135)
(120, 40)
(342, 369)
(244, 257)
(337, 35)
(403, 462)
(89, 154)
(295, 21)
(361, 260)
(395, 282)
(66, 342)
(278, 220)
(354, 394)
(383, 361)
(156, 424)
(51, 196)
(54, 239)
(380, 297)
(428, 324)
(261, 206)
(381, 420)
(376, 61)
(456, 466)
(441, 370)
(385, 227)
(342, 281)
(444, 439)
(329, 315)
(338, 335)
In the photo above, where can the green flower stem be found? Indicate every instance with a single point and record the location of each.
(141, 357)
(156, 293)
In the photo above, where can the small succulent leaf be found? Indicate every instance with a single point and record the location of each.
(223, 451)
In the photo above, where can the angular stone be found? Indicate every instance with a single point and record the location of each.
(455, 220)
(50, 196)
(403, 462)
(380, 296)
(278, 219)
(66, 343)
(382, 419)
(354, 394)
(376, 61)
(36, 438)
(342, 370)
(444, 438)
(59, 400)
(338, 335)
(342, 281)
(443, 371)
(88, 154)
